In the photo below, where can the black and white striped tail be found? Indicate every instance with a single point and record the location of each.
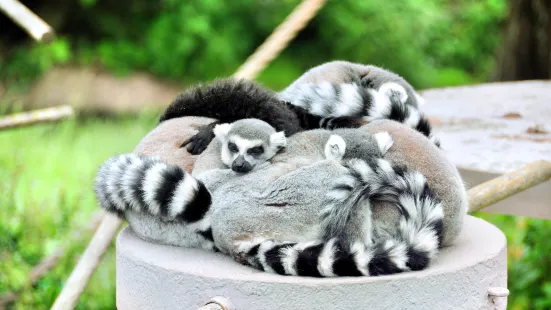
(397, 110)
(415, 243)
(148, 185)
(347, 105)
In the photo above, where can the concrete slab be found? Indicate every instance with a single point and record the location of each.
(491, 129)
(153, 276)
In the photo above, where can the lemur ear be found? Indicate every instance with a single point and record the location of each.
(221, 131)
(384, 141)
(278, 140)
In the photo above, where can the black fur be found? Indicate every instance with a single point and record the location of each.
(165, 191)
(229, 100)
(197, 209)
(307, 261)
(200, 141)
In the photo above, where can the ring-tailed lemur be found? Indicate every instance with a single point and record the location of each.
(248, 143)
(130, 182)
(347, 246)
(362, 93)
(158, 199)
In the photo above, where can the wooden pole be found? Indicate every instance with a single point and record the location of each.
(509, 184)
(37, 116)
(26, 19)
(279, 39)
(88, 263)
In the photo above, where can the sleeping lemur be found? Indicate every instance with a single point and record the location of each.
(350, 242)
(351, 95)
(248, 143)
(302, 223)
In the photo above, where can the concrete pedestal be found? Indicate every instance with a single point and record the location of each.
(152, 276)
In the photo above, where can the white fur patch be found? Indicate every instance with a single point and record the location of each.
(326, 259)
(386, 168)
(288, 260)
(265, 247)
(397, 253)
(116, 171)
(380, 108)
(152, 180)
(388, 88)
(278, 140)
(129, 178)
(362, 168)
(367, 226)
(420, 100)
(361, 257)
(350, 101)
(413, 118)
(384, 141)
(335, 148)
(425, 240)
(221, 131)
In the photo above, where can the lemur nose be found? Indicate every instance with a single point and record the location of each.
(241, 165)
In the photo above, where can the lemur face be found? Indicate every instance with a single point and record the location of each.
(243, 151)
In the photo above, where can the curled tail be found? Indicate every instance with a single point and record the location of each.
(131, 182)
(349, 105)
(396, 109)
(411, 246)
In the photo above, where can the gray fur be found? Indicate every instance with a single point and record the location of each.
(341, 72)
(283, 200)
(341, 88)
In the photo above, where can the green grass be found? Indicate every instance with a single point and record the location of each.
(46, 175)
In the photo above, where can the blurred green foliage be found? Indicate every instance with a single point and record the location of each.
(46, 173)
(430, 42)
(46, 177)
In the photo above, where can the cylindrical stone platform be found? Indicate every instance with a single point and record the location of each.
(152, 276)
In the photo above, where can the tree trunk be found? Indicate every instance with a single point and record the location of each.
(525, 52)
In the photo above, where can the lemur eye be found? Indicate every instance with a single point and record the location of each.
(232, 147)
(257, 150)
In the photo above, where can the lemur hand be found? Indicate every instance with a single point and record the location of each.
(200, 141)
(331, 123)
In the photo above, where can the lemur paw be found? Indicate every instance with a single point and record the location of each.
(331, 123)
(200, 141)
(394, 89)
(335, 148)
(384, 141)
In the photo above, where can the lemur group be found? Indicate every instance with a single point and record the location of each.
(309, 181)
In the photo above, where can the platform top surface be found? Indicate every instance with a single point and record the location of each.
(477, 242)
(495, 127)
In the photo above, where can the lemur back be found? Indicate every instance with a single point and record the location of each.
(358, 95)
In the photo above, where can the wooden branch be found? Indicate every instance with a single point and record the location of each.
(37, 116)
(90, 259)
(509, 184)
(279, 39)
(26, 19)
(49, 262)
